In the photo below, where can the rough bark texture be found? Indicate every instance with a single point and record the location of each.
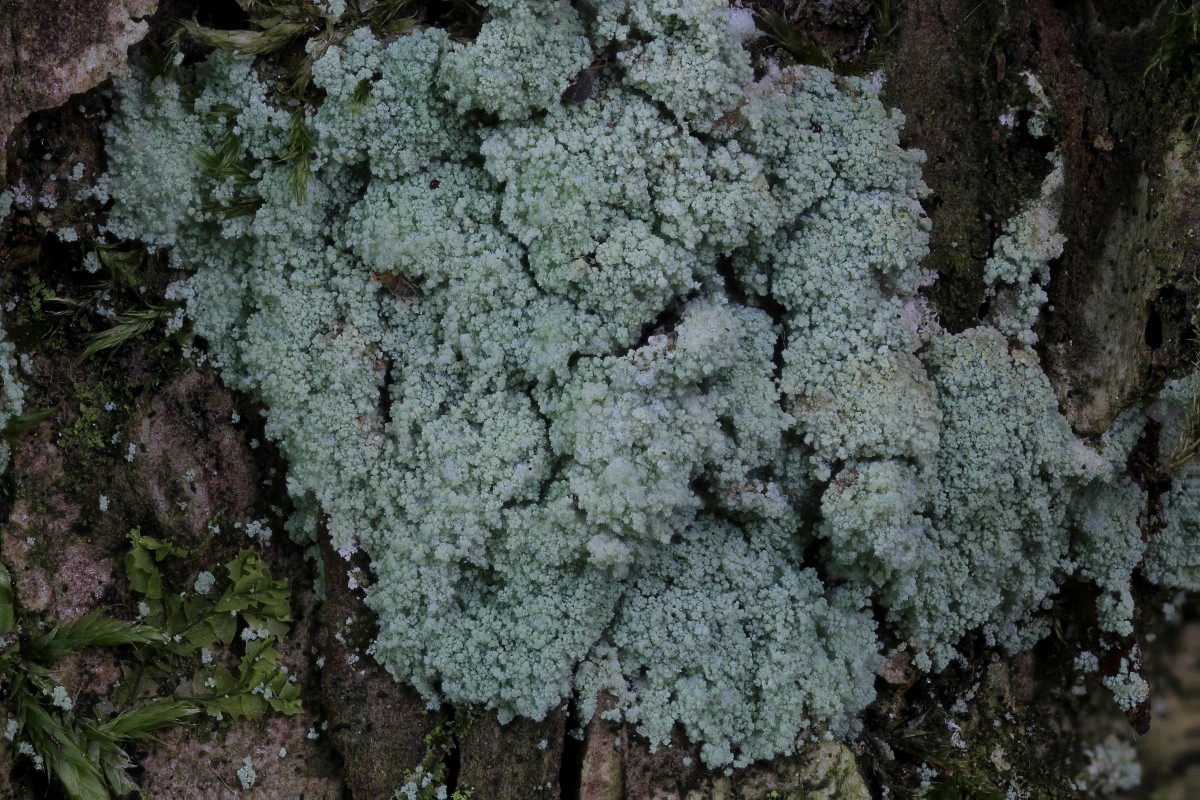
(1121, 295)
(50, 51)
(1118, 324)
(520, 759)
(377, 725)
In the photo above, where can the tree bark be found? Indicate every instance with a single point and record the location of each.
(1118, 323)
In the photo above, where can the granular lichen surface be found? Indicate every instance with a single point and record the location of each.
(594, 374)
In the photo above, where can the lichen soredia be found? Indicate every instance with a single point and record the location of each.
(588, 373)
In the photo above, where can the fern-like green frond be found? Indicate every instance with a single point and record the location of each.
(299, 155)
(799, 44)
(130, 325)
(143, 721)
(64, 757)
(90, 630)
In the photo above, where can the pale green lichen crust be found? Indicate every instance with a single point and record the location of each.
(588, 378)
(1173, 553)
(11, 395)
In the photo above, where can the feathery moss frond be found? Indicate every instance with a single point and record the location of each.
(130, 325)
(299, 156)
(800, 45)
(270, 39)
(90, 630)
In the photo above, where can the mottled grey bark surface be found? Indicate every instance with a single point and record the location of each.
(50, 51)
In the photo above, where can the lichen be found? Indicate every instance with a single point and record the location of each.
(523, 351)
(12, 395)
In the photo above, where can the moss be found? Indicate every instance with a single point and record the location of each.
(424, 781)
(91, 427)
